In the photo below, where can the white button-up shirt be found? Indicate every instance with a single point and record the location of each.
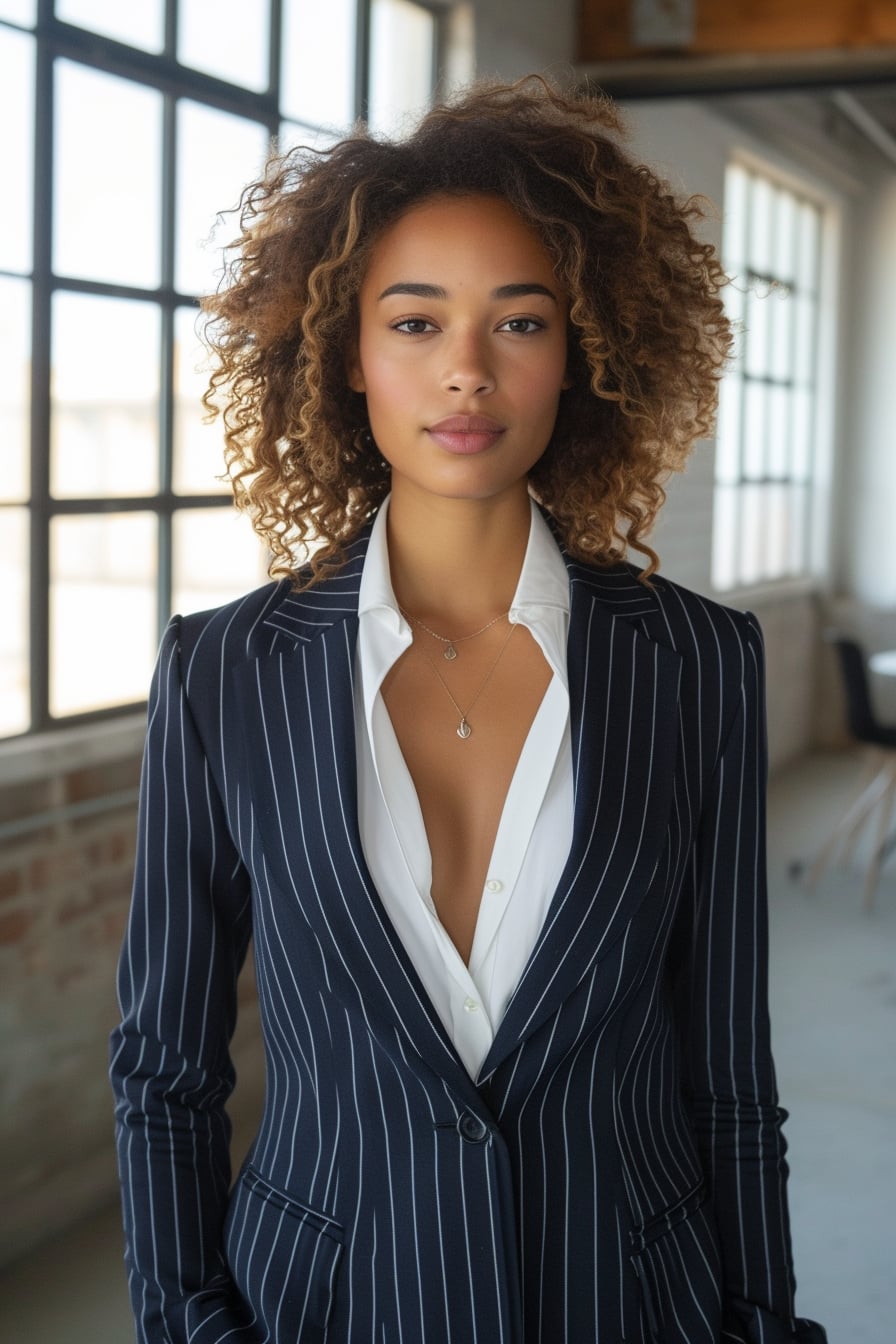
(535, 830)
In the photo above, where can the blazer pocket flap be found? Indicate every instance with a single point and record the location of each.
(661, 1223)
(279, 1199)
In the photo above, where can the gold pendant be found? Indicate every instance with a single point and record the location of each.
(463, 729)
(450, 653)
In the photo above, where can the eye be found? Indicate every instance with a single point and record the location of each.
(413, 326)
(522, 326)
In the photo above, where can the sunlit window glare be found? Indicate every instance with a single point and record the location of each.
(130, 508)
(764, 457)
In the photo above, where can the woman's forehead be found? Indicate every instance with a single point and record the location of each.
(444, 236)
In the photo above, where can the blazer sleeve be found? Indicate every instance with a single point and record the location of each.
(171, 1072)
(733, 1097)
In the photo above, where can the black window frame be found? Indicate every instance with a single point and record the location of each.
(55, 40)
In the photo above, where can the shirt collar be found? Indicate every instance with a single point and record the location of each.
(543, 581)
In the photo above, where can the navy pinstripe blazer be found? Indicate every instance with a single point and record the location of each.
(615, 1173)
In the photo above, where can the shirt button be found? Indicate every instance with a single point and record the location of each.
(471, 1128)
(471, 1006)
(494, 885)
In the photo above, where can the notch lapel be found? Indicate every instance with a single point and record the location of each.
(623, 689)
(297, 709)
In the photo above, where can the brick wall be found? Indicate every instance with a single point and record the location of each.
(66, 865)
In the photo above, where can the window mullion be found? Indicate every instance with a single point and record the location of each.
(274, 52)
(39, 558)
(362, 59)
(166, 379)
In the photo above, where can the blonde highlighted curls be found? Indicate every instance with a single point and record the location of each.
(647, 332)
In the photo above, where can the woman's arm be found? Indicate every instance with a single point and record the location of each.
(726, 1041)
(171, 1072)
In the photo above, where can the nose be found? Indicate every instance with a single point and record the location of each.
(468, 368)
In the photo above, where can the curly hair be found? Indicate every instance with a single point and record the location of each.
(647, 333)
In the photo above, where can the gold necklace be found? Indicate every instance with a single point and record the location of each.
(464, 728)
(450, 652)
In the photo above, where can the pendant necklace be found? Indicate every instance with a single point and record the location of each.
(464, 728)
(450, 650)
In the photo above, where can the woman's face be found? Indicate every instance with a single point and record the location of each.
(462, 347)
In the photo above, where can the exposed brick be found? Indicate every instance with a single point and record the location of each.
(10, 883)
(111, 849)
(14, 925)
(101, 892)
(55, 867)
(113, 926)
(26, 799)
(96, 780)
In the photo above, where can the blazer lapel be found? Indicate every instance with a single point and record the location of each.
(298, 715)
(623, 690)
(298, 710)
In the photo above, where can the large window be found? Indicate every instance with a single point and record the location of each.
(768, 432)
(128, 127)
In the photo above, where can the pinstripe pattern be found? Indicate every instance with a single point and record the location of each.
(616, 1173)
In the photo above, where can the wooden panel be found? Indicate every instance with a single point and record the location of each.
(742, 26)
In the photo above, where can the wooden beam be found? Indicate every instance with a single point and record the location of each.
(763, 27)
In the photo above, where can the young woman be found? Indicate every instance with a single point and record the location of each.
(487, 797)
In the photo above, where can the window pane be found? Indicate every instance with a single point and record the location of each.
(755, 429)
(105, 371)
(760, 226)
(802, 434)
(318, 72)
(729, 430)
(292, 134)
(141, 23)
(16, 150)
(724, 536)
(799, 510)
(214, 36)
(757, 320)
(102, 571)
(198, 447)
(217, 154)
(780, 314)
(804, 340)
(108, 212)
(785, 236)
(779, 432)
(217, 557)
(752, 533)
(14, 690)
(402, 42)
(807, 247)
(777, 531)
(736, 185)
(19, 11)
(15, 389)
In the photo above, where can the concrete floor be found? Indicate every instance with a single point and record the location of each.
(833, 991)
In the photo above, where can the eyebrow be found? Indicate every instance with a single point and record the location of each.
(420, 291)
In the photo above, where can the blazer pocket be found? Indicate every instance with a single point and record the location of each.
(661, 1223)
(284, 1257)
(676, 1259)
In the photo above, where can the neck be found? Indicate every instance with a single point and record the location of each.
(457, 561)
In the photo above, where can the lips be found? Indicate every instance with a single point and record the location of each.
(466, 433)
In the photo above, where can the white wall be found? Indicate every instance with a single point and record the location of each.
(689, 143)
(868, 475)
(524, 36)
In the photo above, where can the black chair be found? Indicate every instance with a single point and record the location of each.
(878, 786)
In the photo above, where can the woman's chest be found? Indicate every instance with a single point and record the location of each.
(461, 730)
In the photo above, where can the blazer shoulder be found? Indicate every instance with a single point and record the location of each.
(233, 631)
(697, 624)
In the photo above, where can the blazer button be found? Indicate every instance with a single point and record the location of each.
(471, 1128)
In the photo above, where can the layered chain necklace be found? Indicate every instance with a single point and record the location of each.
(464, 728)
